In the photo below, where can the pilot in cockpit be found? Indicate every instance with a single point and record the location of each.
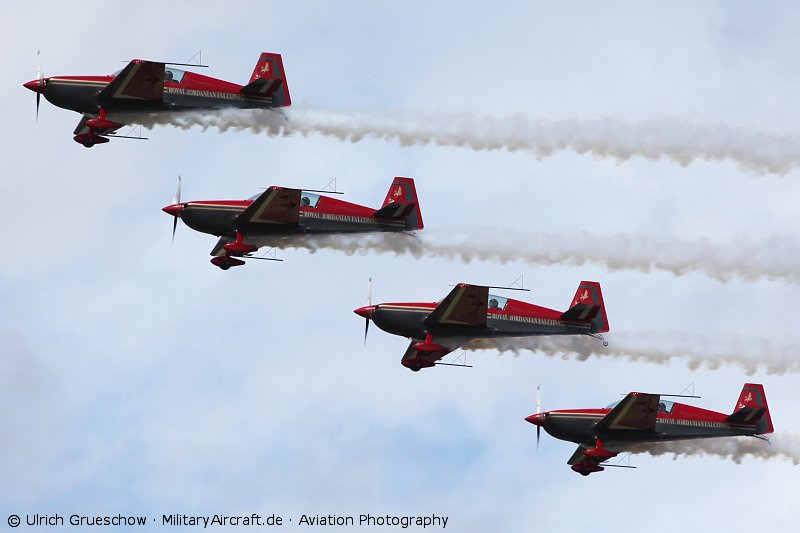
(493, 303)
(305, 201)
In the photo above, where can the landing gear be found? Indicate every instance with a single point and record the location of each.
(90, 139)
(226, 261)
(415, 367)
(97, 127)
(238, 247)
(599, 336)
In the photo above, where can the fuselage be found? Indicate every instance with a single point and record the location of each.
(193, 91)
(514, 319)
(681, 423)
(323, 214)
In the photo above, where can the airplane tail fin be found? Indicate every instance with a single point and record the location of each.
(402, 203)
(752, 408)
(269, 80)
(587, 305)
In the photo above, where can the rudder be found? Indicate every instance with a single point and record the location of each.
(589, 294)
(752, 401)
(269, 79)
(403, 192)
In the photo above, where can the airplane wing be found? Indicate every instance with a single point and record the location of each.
(636, 412)
(276, 205)
(464, 306)
(579, 455)
(218, 248)
(424, 360)
(83, 128)
(139, 80)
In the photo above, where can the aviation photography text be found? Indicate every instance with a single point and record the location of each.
(227, 521)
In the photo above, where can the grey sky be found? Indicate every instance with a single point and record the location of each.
(138, 378)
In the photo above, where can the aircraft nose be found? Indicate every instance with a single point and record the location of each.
(537, 419)
(367, 311)
(174, 209)
(36, 85)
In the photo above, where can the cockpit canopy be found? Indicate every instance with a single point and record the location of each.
(664, 406)
(497, 302)
(170, 74)
(173, 74)
(307, 199)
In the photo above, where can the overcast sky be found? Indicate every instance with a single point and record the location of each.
(137, 378)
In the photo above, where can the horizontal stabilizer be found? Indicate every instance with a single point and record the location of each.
(747, 415)
(580, 313)
(262, 87)
(395, 210)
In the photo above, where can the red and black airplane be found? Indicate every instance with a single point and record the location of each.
(469, 312)
(646, 418)
(155, 87)
(280, 214)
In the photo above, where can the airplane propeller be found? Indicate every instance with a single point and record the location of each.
(538, 410)
(369, 303)
(176, 200)
(39, 81)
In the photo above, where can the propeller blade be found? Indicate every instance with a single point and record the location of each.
(369, 302)
(538, 410)
(177, 198)
(538, 399)
(38, 77)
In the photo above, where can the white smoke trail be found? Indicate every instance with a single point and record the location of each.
(680, 140)
(785, 447)
(772, 258)
(751, 353)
